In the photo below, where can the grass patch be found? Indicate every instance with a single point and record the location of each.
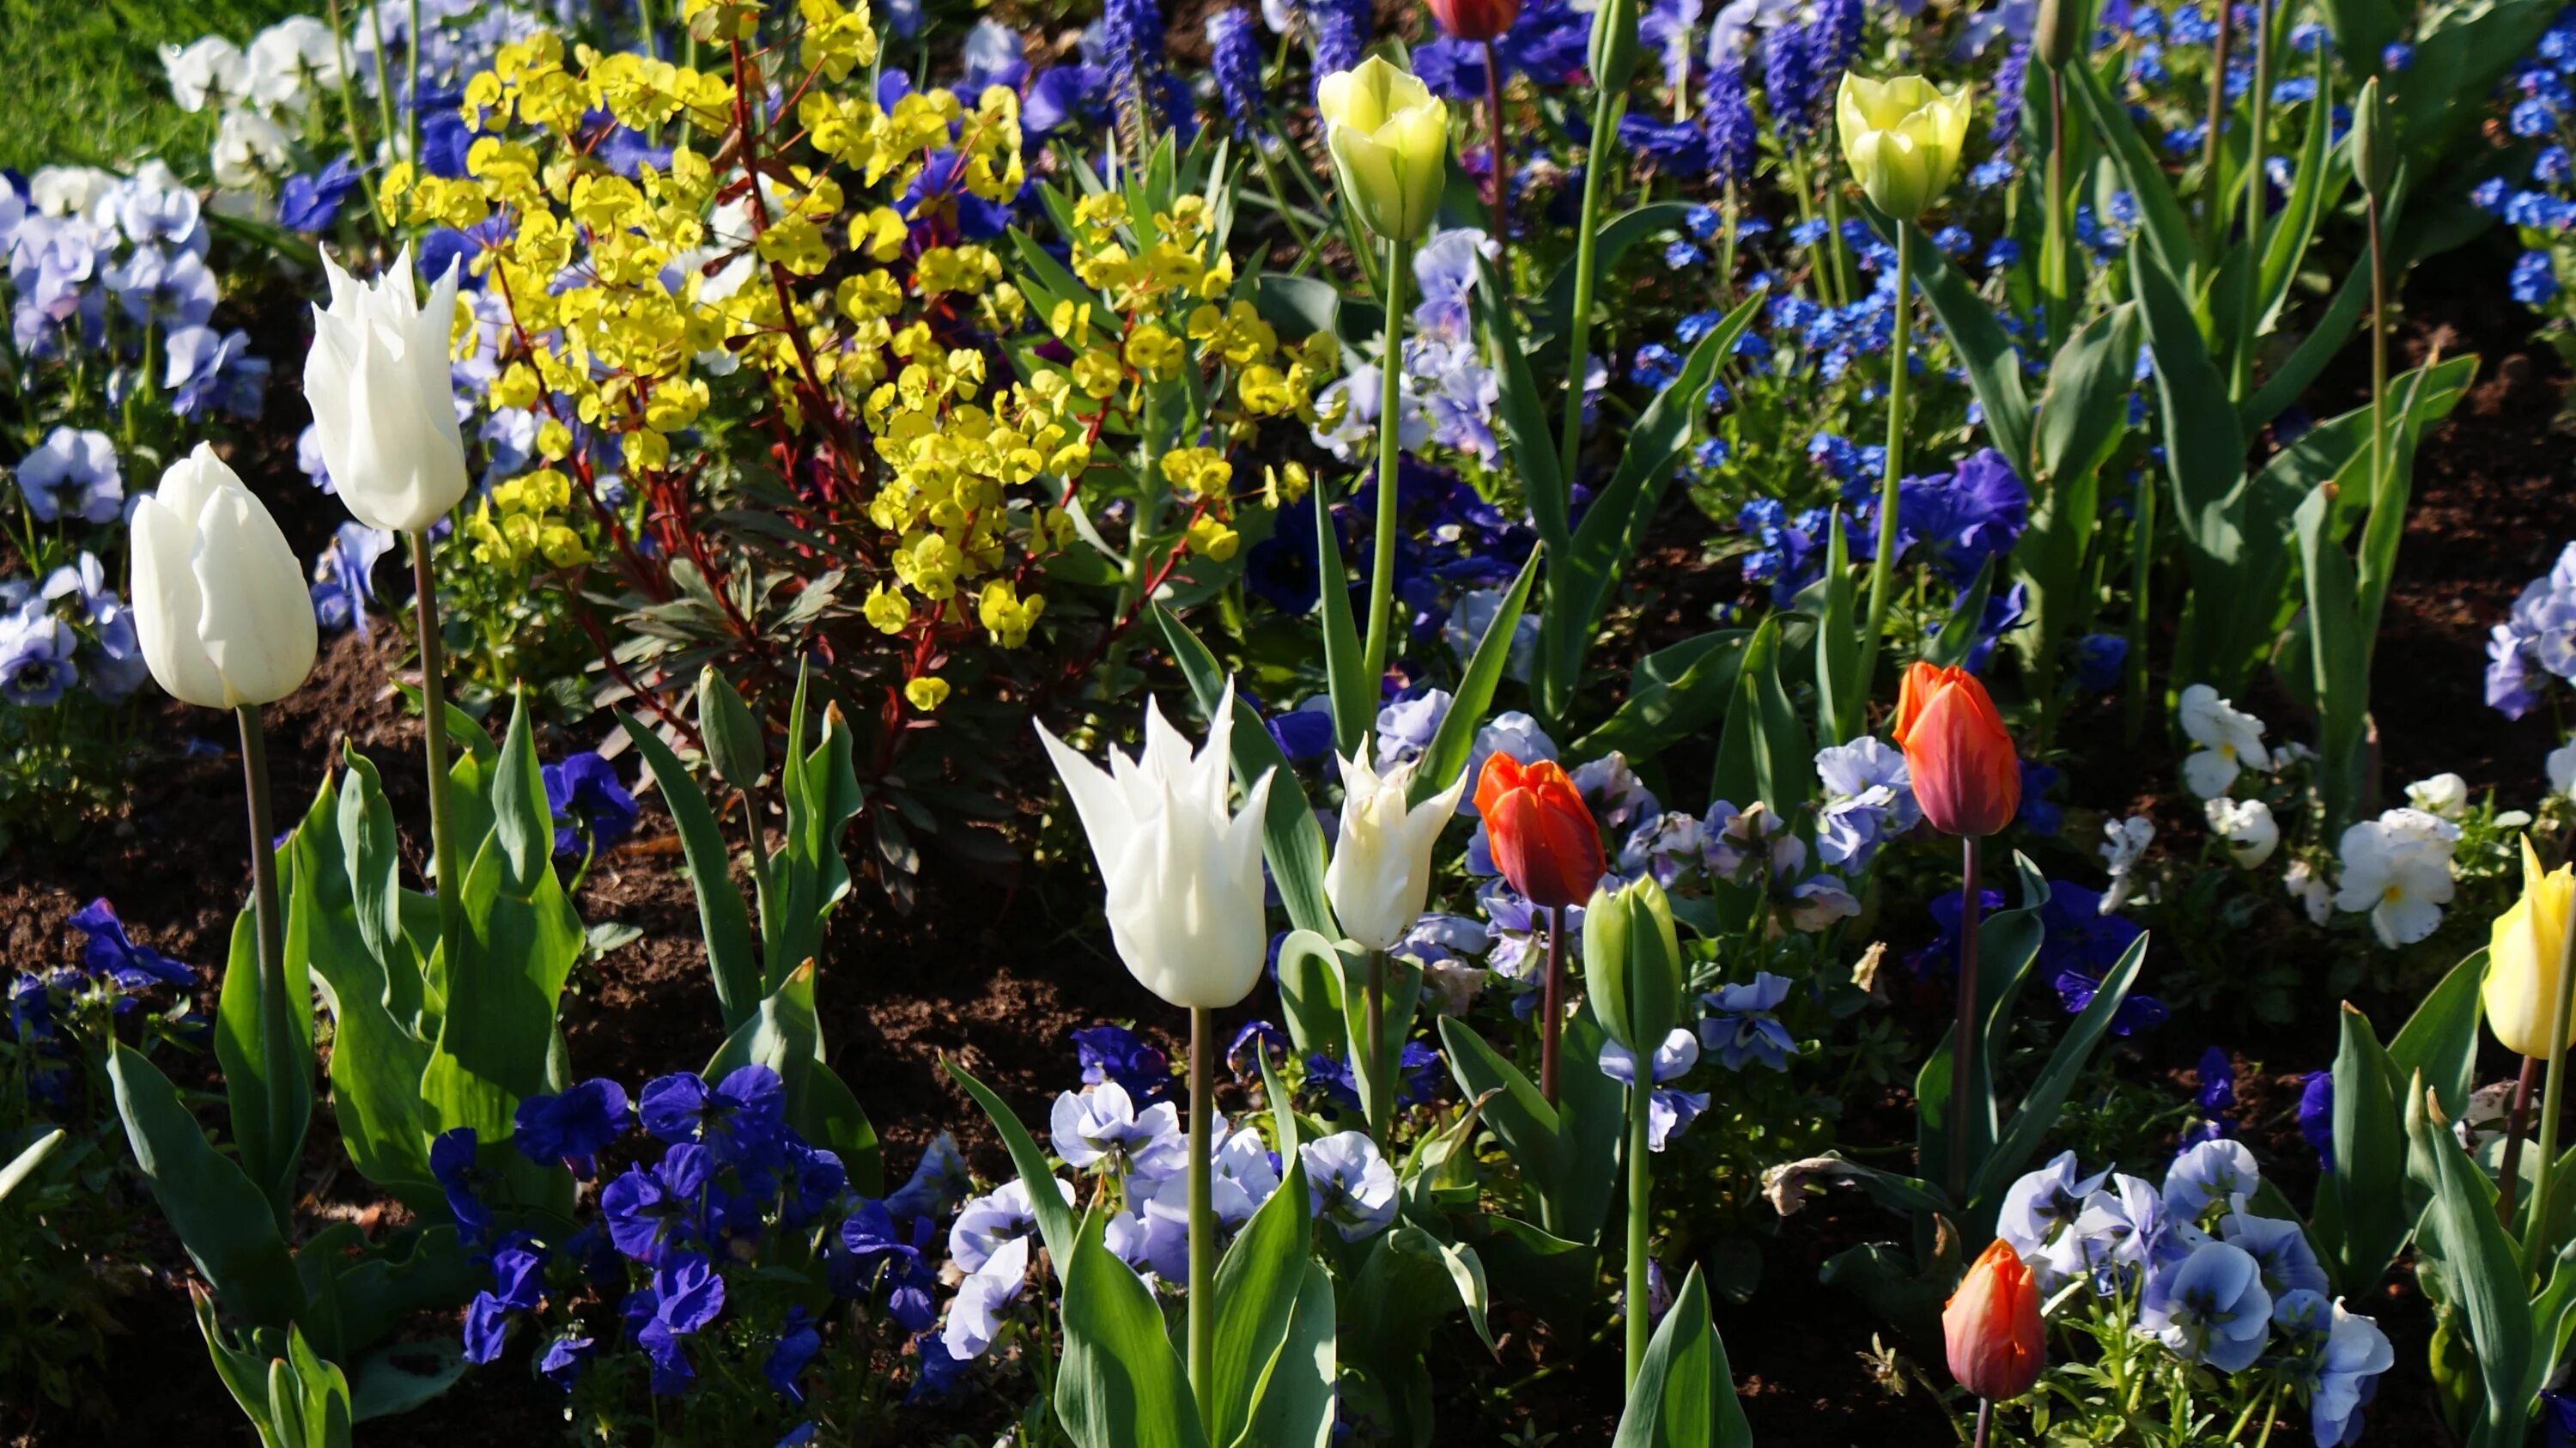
(86, 86)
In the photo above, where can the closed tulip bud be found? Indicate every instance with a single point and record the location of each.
(1613, 55)
(2526, 948)
(1902, 138)
(2052, 31)
(1541, 833)
(2374, 157)
(1390, 142)
(1992, 1328)
(1183, 876)
(732, 734)
(382, 407)
(1632, 957)
(1475, 20)
(221, 608)
(1381, 870)
(1957, 752)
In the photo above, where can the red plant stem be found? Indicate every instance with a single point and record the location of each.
(1502, 177)
(1551, 1008)
(1964, 1040)
(1985, 1410)
(2509, 1176)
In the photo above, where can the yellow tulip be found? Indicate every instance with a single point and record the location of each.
(1902, 138)
(2524, 955)
(1390, 142)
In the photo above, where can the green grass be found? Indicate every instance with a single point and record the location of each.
(84, 82)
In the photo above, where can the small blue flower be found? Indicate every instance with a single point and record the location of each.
(1115, 1053)
(311, 203)
(574, 1127)
(1741, 1025)
(2209, 1308)
(2533, 280)
(592, 809)
(798, 1342)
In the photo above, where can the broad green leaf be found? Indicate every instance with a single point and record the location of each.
(2483, 1274)
(2007, 942)
(1949, 648)
(523, 823)
(1684, 1395)
(394, 1380)
(371, 857)
(2160, 216)
(221, 1217)
(1047, 1198)
(1528, 439)
(24, 1164)
(1520, 1118)
(267, 1067)
(1445, 758)
(2368, 1221)
(2441, 1039)
(1353, 694)
(2338, 657)
(342, 941)
(732, 959)
(785, 1036)
(493, 1046)
(2039, 1110)
(1258, 1283)
(1120, 1384)
(1297, 1400)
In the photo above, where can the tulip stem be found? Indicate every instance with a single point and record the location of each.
(2213, 216)
(1882, 566)
(2057, 270)
(1390, 445)
(1551, 1011)
(2536, 1245)
(1985, 1419)
(1202, 1306)
(1641, 1173)
(1569, 443)
(1964, 1039)
(283, 1057)
(1502, 176)
(433, 714)
(2517, 1121)
(1380, 1086)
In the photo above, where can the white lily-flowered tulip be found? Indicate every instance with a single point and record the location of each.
(220, 605)
(1381, 870)
(382, 407)
(1183, 874)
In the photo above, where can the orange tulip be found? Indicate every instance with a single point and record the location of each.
(1992, 1327)
(1541, 833)
(1477, 20)
(1966, 776)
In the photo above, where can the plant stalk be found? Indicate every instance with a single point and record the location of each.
(1641, 1175)
(263, 858)
(1882, 567)
(1380, 1085)
(1963, 1040)
(1390, 447)
(1985, 1420)
(433, 716)
(1569, 442)
(2058, 269)
(1551, 1008)
(2240, 370)
(2516, 1122)
(2536, 1245)
(1494, 123)
(2213, 217)
(1202, 1305)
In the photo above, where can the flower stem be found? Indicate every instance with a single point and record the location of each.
(1964, 1040)
(2537, 1247)
(2057, 262)
(1641, 1173)
(1380, 1087)
(2509, 1177)
(1390, 444)
(263, 867)
(2213, 216)
(1985, 1419)
(1882, 566)
(1587, 237)
(2240, 373)
(342, 51)
(1551, 1013)
(1494, 124)
(433, 711)
(1202, 1305)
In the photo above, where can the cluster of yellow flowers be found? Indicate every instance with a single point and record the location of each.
(523, 519)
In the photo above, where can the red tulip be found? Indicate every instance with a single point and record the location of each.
(1540, 831)
(1961, 759)
(1476, 20)
(1992, 1327)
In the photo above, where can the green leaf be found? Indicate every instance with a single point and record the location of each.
(1297, 1401)
(1842, 696)
(2362, 1202)
(267, 1065)
(732, 959)
(1353, 694)
(494, 1044)
(1673, 702)
(1047, 1197)
(344, 934)
(1763, 753)
(821, 790)
(394, 1380)
(24, 1164)
(733, 736)
(1684, 1395)
(2338, 657)
(221, 1217)
(1949, 648)
(523, 823)
(1120, 1384)
(371, 859)
(785, 1036)
(1258, 1283)
(322, 1392)
(2038, 1113)
(1445, 758)
(2440, 1041)
(2316, 187)
(2007, 942)
(1291, 841)
(2160, 216)
(1529, 441)
(1405, 1287)
(1555, 306)
(2482, 1272)
(1984, 351)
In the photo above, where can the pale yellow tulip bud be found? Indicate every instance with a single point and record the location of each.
(1390, 142)
(1902, 138)
(2525, 951)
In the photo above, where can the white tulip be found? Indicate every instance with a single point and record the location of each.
(1381, 870)
(383, 409)
(1183, 876)
(220, 606)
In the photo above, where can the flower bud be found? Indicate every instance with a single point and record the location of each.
(1542, 835)
(1957, 751)
(725, 722)
(1381, 870)
(2374, 157)
(1991, 1326)
(1390, 142)
(221, 610)
(1475, 20)
(1613, 56)
(2053, 32)
(1902, 138)
(2526, 949)
(382, 406)
(1632, 959)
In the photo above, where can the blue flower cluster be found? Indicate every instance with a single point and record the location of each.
(52, 1012)
(2078, 946)
(2536, 640)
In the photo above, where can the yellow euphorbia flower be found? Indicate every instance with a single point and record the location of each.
(1902, 138)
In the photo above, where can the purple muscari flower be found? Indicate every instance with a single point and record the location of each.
(798, 1342)
(1788, 81)
(1679, 145)
(564, 1360)
(1131, 33)
(311, 203)
(2211, 1307)
(739, 1119)
(572, 1128)
(591, 808)
(1235, 62)
(2008, 88)
(1340, 31)
(451, 1164)
(110, 952)
(1261, 1037)
(1742, 1025)
(72, 474)
(1115, 1053)
(2316, 1115)
(207, 370)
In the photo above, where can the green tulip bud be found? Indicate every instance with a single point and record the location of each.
(1614, 45)
(2374, 158)
(732, 735)
(1902, 139)
(1632, 958)
(1389, 138)
(2054, 32)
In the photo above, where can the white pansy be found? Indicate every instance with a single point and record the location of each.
(2561, 766)
(2247, 827)
(2446, 795)
(211, 69)
(2398, 869)
(288, 60)
(2311, 891)
(2229, 738)
(249, 148)
(2124, 844)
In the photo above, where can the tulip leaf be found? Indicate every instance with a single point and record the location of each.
(2482, 1272)
(1296, 1409)
(1406, 1285)
(1290, 839)
(1454, 741)
(1257, 1286)
(1310, 990)
(1985, 353)
(1520, 410)
(1842, 696)
(1949, 648)
(1684, 1395)
(732, 959)
(2338, 660)
(24, 1164)
(1683, 696)
(1347, 684)
(347, 939)
(1403, 994)
(2315, 188)
(2361, 1215)
(785, 1036)
(1520, 1118)
(1120, 1384)
(822, 795)
(495, 1042)
(2441, 1039)
(2007, 942)
(265, 1045)
(2160, 216)
(2038, 1113)
(1056, 1225)
(221, 1217)
(371, 856)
